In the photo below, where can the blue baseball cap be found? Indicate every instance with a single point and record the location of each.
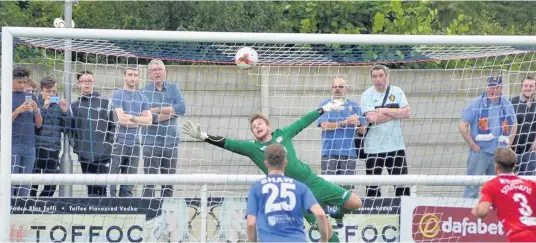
(495, 81)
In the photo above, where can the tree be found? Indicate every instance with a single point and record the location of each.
(394, 17)
(11, 14)
(330, 17)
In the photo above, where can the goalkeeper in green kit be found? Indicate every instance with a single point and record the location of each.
(325, 192)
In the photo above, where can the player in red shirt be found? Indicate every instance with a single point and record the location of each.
(513, 198)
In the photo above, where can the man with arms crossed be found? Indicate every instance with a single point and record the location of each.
(385, 106)
(324, 191)
(161, 140)
(276, 203)
(132, 110)
(513, 198)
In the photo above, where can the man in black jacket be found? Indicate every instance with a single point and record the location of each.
(56, 120)
(524, 142)
(92, 131)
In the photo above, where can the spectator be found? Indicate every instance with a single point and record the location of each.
(384, 106)
(31, 87)
(487, 123)
(56, 119)
(523, 144)
(338, 129)
(161, 140)
(132, 110)
(92, 131)
(26, 118)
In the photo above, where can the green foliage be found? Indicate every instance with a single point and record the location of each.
(344, 17)
(394, 17)
(409, 18)
(169, 15)
(10, 14)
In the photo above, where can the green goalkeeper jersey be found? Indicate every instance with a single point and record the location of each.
(255, 150)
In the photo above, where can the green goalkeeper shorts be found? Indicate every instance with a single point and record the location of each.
(326, 192)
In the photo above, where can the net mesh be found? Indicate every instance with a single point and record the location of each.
(277, 54)
(439, 82)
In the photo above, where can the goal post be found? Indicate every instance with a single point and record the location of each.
(461, 55)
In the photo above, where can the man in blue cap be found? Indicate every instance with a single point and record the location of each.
(487, 123)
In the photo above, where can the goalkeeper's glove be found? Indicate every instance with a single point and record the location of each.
(194, 130)
(334, 105)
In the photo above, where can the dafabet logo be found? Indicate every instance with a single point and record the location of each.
(447, 224)
(429, 225)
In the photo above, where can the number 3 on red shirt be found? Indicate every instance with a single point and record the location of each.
(525, 209)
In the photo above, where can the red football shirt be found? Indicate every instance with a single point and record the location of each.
(514, 200)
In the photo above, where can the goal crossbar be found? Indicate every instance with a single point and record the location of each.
(295, 38)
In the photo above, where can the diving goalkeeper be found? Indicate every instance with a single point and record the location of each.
(325, 192)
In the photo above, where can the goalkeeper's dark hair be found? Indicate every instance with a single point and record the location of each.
(258, 116)
(275, 154)
(506, 159)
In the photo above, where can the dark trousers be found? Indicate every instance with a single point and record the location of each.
(95, 167)
(163, 160)
(47, 162)
(394, 162)
(338, 165)
(125, 160)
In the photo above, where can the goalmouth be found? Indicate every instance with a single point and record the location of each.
(275, 46)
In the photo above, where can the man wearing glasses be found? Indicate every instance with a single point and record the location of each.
(338, 130)
(161, 140)
(92, 131)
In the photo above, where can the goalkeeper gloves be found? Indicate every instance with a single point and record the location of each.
(334, 105)
(194, 130)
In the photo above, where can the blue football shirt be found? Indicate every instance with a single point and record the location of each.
(278, 203)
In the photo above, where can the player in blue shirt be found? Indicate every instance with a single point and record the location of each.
(278, 202)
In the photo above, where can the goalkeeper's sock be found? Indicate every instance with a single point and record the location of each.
(343, 211)
(338, 215)
(334, 237)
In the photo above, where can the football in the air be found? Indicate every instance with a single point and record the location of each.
(246, 58)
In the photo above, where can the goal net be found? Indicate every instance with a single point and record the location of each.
(206, 200)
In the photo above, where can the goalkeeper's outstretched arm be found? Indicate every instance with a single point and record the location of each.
(215, 140)
(194, 131)
(296, 127)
